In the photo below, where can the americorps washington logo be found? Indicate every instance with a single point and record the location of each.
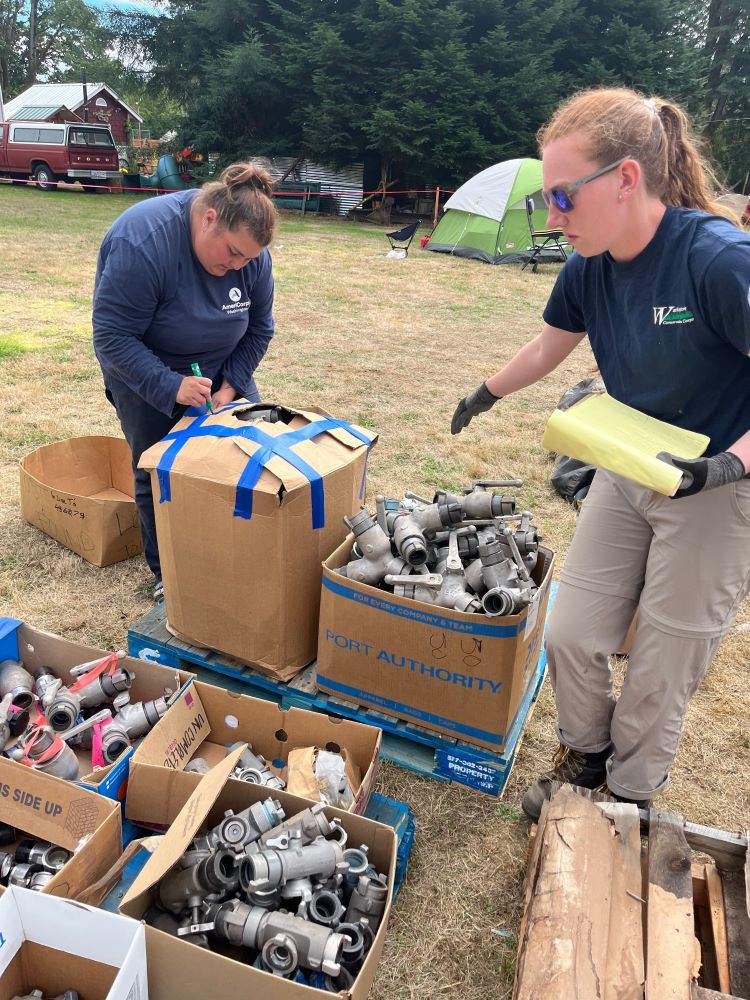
(667, 315)
(236, 303)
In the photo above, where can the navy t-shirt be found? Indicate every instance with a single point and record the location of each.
(156, 310)
(670, 330)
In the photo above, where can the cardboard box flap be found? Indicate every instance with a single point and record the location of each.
(187, 822)
(221, 457)
(78, 467)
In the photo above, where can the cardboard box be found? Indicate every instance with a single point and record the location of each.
(80, 492)
(460, 674)
(178, 969)
(56, 945)
(46, 808)
(36, 648)
(204, 720)
(242, 531)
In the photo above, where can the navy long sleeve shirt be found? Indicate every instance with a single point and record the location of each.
(156, 310)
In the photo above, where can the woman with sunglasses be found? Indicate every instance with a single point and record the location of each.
(660, 286)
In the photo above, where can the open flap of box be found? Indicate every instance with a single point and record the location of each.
(64, 925)
(188, 821)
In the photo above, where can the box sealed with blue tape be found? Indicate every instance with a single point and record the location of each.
(249, 501)
(460, 674)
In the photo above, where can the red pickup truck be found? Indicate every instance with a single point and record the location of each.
(49, 153)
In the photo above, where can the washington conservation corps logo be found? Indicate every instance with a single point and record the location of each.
(667, 315)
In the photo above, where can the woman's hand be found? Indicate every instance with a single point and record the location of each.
(195, 390)
(226, 393)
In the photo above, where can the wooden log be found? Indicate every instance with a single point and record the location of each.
(738, 933)
(581, 935)
(719, 925)
(673, 956)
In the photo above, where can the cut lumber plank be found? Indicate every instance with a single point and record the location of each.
(701, 993)
(576, 935)
(738, 933)
(719, 925)
(673, 954)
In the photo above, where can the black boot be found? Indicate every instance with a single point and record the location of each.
(572, 766)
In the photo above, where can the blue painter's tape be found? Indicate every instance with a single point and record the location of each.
(269, 446)
(396, 706)
(417, 614)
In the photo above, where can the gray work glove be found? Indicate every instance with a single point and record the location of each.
(476, 402)
(701, 474)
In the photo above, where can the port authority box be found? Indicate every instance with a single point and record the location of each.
(178, 969)
(246, 510)
(42, 807)
(460, 674)
(81, 493)
(36, 648)
(205, 720)
(54, 945)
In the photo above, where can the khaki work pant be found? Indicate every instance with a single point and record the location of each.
(685, 565)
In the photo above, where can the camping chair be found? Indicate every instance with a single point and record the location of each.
(549, 240)
(401, 239)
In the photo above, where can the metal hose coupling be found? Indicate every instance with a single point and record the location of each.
(115, 740)
(279, 956)
(166, 922)
(197, 766)
(17, 682)
(187, 888)
(318, 948)
(325, 908)
(140, 717)
(368, 901)
(268, 868)
(46, 686)
(69, 701)
(253, 768)
(307, 826)
(40, 852)
(373, 544)
(237, 830)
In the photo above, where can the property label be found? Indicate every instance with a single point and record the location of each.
(473, 773)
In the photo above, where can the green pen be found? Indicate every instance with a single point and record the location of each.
(195, 368)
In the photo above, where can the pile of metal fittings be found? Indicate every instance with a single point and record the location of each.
(33, 863)
(94, 713)
(470, 553)
(289, 890)
(251, 767)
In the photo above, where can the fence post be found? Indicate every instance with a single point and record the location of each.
(437, 207)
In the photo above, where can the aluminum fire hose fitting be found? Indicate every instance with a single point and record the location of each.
(170, 925)
(67, 705)
(269, 868)
(325, 908)
(48, 751)
(454, 592)
(46, 685)
(39, 880)
(251, 926)
(140, 717)
(408, 528)
(500, 574)
(253, 768)
(115, 740)
(468, 542)
(309, 824)
(22, 874)
(8, 834)
(279, 956)
(186, 888)
(474, 578)
(376, 557)
(16, 681)
(197, 766)
(40, 852)
(478, 503)
(237, 830)
(6, 866)
(358, 862)
(354, 950)
(368, 901)
(416, 586)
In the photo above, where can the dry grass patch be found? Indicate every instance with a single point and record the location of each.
(392, 344)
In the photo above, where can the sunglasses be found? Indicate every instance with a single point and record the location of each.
(562, 197)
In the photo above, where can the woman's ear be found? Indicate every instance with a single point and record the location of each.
(209, 218)
(630, 178)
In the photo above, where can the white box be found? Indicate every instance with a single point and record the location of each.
(56, 944)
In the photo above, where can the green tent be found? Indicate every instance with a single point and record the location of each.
(486, 218)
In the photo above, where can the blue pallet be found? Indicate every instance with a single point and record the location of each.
(380, 808)
(411, 746)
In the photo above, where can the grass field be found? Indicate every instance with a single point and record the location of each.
(391, 345)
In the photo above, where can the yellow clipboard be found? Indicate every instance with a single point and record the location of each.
(601, 431)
